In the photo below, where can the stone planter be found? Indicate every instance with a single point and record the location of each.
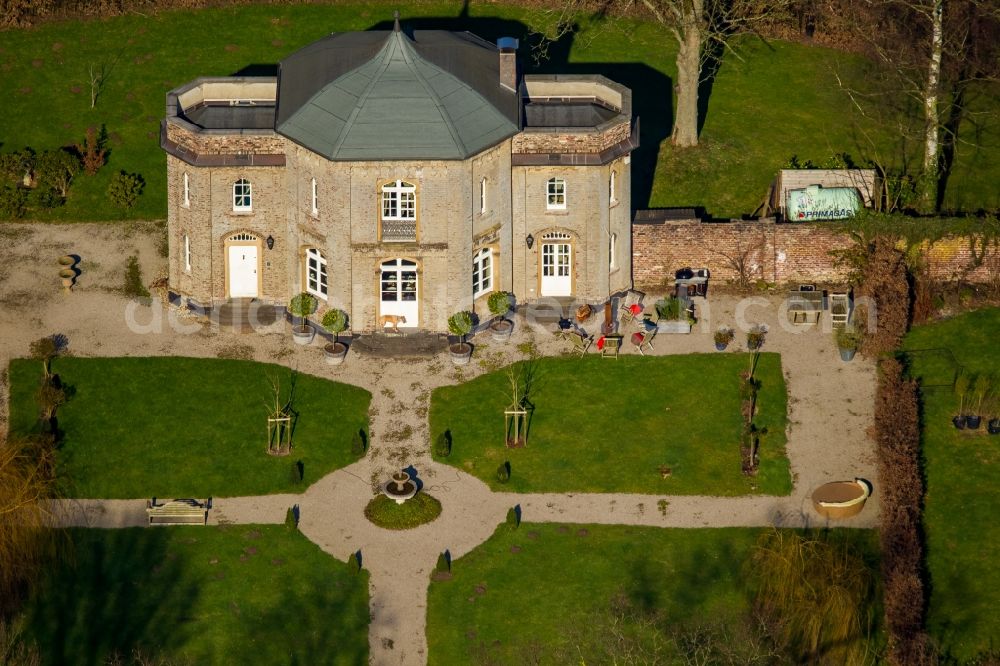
(67, 275)
(335, 352)
(673, 326)
(66, 261)
(461, 353)
(841, 499)
(500, 330)
(847, 354)
(303, 334)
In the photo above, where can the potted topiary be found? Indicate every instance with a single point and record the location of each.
(460, 324)
(980, 387)
(960, 387)
(756, 336)
(723, 336)
(499, 304)
(301, 306)
(335, 321)
(848, 341)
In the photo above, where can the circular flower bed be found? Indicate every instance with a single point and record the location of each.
(420, 510)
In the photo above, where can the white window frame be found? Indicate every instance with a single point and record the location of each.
(482, 196)
(555, 194)
(399, 201)
(315, 198)
(187, 192)
(242, 196)
(612, 195)
(318, 284)
(187, 253)
(482, 272)
(613, 252)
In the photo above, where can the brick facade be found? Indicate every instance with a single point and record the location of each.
(776, 252)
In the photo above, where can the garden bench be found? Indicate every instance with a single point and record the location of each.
(178, 511)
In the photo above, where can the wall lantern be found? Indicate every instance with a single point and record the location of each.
(530, 240)
(270, 242)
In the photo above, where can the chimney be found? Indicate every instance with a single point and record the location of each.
(508, 62)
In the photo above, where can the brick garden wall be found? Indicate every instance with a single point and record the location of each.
(777, 252)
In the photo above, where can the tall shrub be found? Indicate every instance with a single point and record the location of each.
(897, 441)
(885, 283)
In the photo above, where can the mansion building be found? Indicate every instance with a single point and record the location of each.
(398, 173)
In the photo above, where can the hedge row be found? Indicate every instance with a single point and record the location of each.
(897, 437)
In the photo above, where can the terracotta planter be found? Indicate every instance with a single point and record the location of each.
(841, 499)
(335, 352)
(461, 353)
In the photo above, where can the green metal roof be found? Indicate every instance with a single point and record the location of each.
(397, 105)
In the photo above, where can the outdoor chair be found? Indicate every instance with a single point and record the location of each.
(643, 339)
(612, 343)
(631, 307)
(581, 343)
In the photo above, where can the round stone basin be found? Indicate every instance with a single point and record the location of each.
(399, 488)
(841, 499)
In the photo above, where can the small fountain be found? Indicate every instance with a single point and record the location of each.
(400, 488)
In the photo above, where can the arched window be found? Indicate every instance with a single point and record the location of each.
(482, 197)
(399, 201)
(242, 200)
(482, 272)
(187, 191)
(316, 281)
(612, 194)
(315, 198)
(612, 251)
(555, 194)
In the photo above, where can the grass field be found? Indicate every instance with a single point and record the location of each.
(963, 486)
(538, 593)
(601, 426)
(780, 99)
(186, 427)
(200, 595)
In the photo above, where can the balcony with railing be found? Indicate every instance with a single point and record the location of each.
(399, 231)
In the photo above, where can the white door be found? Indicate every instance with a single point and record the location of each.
(556, 269)
(243, 271)
(398, 291)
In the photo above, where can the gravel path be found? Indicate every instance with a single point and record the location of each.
(830, 411)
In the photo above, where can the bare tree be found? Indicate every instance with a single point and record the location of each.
(703, 30)
(27, 481)
(745, 258)
(98, 75)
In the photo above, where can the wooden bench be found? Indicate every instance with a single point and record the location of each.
(178, 511)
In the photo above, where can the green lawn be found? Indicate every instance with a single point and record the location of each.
(535, 594)
(200, 595)
(963, 488)
(608, 426)
(186, 427)
(780, 99)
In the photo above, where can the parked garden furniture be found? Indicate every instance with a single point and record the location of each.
(631, 306)
(805, 305)
(581, 343)
(178, 511)
(609, 345)
(840, 309)
(643, 339)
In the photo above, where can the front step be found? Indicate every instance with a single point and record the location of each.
(245, 315)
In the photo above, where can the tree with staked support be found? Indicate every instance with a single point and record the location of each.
(516, 413)
(279, 420)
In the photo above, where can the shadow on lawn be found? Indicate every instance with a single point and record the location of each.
(114, 595)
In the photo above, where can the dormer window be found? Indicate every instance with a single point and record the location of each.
(242, 199)
(399, 201)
